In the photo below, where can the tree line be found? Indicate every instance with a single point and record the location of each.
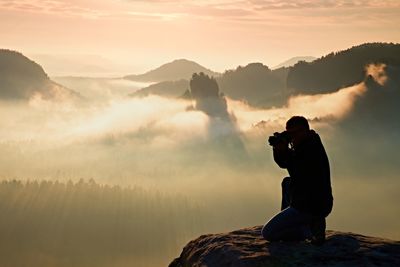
(46, 223)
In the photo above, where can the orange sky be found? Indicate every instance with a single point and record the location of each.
(218, 34)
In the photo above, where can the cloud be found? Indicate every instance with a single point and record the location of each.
(61, 7)
(160, 118)
(377, 71)
(164, 117)
(314, 107)
(164, 16)
(323, 4)
(286, 11)
(279, 4)
(240, 10)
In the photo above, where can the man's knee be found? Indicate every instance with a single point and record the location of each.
(268, 233)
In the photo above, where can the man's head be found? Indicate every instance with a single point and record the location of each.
(298, 129)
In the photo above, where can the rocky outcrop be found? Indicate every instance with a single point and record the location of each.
(246, 247)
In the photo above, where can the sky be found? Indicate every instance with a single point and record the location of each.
(134, 36)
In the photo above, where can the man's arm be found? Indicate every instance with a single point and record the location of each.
(281, 154)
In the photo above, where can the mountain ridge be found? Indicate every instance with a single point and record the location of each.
(22, 78)
(293, 61)
(340, 69)
(259, 86)
(175, 70)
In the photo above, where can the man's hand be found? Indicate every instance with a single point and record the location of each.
(281, 154)
(281, 146)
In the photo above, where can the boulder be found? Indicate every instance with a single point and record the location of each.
(246, 247)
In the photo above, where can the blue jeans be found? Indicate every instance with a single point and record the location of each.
(289, 224)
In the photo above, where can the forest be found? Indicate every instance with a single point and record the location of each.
(85, 223)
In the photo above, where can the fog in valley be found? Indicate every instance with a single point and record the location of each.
(161, 171)
(133, 179)
(130, 128)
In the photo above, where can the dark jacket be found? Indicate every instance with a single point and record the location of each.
(308, 167)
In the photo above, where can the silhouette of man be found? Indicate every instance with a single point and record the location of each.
(306, 193)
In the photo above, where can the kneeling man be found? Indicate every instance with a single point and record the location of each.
(306, 193)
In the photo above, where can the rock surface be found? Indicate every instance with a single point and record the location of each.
(246, 247)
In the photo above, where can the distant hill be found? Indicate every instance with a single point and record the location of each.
(22, 78)
(292, 61)
(340, 69)
(176, 70)
(260, 86)
(255, 84)
(75, 65)
(167, 89)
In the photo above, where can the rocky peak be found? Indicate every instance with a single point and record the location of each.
(246, 248)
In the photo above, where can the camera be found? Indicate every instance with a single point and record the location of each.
(278, 138)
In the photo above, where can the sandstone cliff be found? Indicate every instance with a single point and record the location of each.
(245, 248)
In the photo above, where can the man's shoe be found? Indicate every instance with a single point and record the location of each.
(318, 226)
